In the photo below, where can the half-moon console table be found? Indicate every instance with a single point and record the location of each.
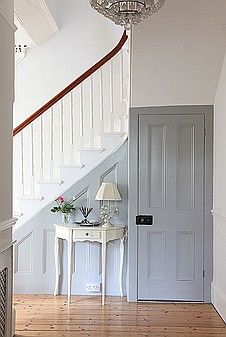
(72, 233)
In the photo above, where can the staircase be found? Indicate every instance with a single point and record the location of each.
(71, 134)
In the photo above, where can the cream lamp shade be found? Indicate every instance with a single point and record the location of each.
(109, 192)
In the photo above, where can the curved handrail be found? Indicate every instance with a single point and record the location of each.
(71, 86)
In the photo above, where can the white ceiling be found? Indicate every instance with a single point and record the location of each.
(178, 53)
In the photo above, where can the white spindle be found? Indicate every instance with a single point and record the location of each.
(121, 75)
(127, 79)
(111, 98)
(61, 131)
(101, 102)
(91, 114)
(41, 148)
(72, 147)
(123, 123)
(71, 118)
(51, 145)
(32, 161)
(22, 162)
(81, 117)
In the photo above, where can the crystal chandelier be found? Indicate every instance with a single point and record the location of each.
(127, 13)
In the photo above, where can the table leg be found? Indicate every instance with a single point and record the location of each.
(57, 265)
(69, 264)
(103, 271)
(122, 249)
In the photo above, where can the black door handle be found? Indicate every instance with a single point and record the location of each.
(144, 220)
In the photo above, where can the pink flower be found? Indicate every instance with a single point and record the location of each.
(60, 199)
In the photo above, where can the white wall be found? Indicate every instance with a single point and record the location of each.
(219, 280)
(85, 36)
(178, 53)
(6, 102)
(6, 111)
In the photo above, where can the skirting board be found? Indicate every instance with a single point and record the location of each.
(13, 321)
(219, 300)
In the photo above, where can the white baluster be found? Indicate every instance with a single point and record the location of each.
(32, 161)
(72, 147)
(22, 162)
(121, 75)
(123, 123)
(101, 102)
(51, 145)
(91, 114)
(111, 98)
(41, 148)
(126, 89)
(61, 131)
(127, 79)
(81, 117)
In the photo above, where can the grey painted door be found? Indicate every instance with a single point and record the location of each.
(171, 188)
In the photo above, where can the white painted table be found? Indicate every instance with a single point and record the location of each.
(72, 233)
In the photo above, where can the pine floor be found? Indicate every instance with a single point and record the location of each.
(39, 315)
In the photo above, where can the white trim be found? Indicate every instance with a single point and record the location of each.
(49, 16)
(219, 300)
(7, 19)
(17, 17)
(7, 224)
(7, 246)
(220, 214)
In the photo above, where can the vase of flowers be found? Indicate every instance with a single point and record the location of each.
(66, 217)
(65, 207)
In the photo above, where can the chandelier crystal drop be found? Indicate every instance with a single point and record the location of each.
(127, 13)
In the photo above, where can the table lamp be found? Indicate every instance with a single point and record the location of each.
(108, 192)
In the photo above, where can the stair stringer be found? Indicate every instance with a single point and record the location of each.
(34, 259)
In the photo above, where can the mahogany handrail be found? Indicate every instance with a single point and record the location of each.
(71, 86)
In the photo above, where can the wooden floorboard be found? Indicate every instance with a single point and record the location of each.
(39, 315)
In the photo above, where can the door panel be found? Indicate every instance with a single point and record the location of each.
(171, 175)
(156, 247)
(156, 173)
(185, 246)
(185, 175)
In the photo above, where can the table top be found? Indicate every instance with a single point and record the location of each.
(92, 228)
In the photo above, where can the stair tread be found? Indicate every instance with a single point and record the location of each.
(92, 149)
(30, 197)
(112, 133)
(71, 166)
(54, 182)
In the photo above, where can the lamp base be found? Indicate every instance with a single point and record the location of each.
(107, 224)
